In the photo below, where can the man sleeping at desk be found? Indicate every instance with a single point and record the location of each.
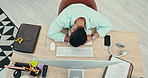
(78, 16)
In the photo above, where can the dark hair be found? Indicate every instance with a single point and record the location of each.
(78, 37)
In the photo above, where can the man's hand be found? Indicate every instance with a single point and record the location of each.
(89, 38)
(66, 38)
(95, 34)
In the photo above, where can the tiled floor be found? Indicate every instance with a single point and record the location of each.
(126, 15)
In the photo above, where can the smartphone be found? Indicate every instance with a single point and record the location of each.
(107, 40)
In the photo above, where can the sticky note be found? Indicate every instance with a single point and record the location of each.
(40, 65)
(34, 63)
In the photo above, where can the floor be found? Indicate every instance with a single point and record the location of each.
(126, 15)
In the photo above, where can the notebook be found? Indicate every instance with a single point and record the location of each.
(120, 70)
(30, 35)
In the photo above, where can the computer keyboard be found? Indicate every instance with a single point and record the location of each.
(74, 51)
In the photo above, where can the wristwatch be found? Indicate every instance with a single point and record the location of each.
(94, 37)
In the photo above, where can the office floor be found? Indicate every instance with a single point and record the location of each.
(126, 15)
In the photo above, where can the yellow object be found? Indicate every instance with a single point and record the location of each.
(20, 40)
(34, 63)
(34, 69)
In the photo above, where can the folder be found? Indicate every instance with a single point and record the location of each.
(30, 34)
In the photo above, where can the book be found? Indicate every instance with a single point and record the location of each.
(120, 70)
(30, 35)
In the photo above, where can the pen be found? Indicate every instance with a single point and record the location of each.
(12, 67)
(22, 68)
(45, 67)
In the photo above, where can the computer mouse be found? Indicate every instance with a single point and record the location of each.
(52, 46)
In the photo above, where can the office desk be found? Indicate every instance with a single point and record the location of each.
(42, 51)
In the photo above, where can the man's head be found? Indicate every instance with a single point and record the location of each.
(78, 37)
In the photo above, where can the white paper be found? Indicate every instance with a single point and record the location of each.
(119, 70)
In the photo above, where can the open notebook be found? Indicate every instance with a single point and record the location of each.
(121, 70)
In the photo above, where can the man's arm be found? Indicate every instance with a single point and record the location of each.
(104, 27)
(54, 31)
(61, 21)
